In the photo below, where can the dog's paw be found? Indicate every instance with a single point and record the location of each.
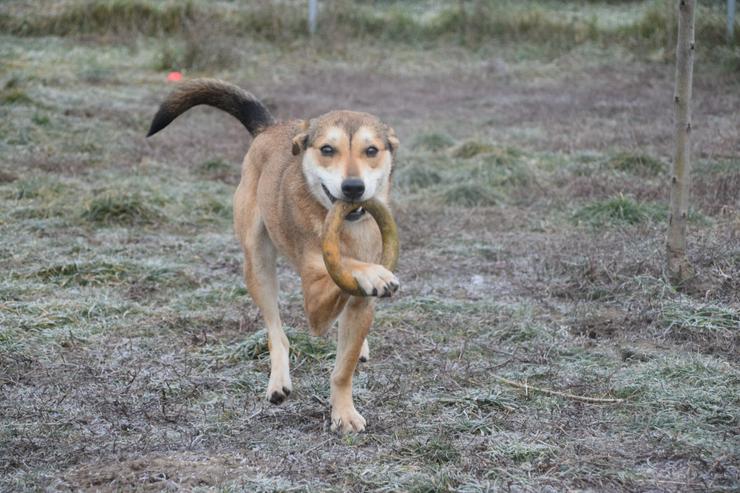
(347, 420)
(364, 352)
(376, 280)
(278, 389)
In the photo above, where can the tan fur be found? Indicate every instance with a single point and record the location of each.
(279, 208)
(288, 184)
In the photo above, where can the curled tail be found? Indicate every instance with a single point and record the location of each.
(234, 100)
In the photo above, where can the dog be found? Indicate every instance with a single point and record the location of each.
(292, 174)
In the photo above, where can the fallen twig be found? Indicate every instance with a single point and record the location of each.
(527, 388)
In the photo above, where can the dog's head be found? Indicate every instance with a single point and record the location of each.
(346, 155)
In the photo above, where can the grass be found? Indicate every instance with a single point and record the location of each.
(14, 96)
(417, 176)
(638, 164)
(126, 209)
(469, 195)
(704, 318)
(218, 169)
(624, 210)
(302, 346)
(468, 24)
(433, 142)
(496, 173)
(83, 274)
(114, 17)
(471, 148)
(618, 210)
(132, 357)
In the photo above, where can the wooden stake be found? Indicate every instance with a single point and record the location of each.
(678, 266)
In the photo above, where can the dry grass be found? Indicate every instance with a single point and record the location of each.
(131, 357)
(468, 23)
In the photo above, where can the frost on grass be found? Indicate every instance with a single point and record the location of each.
(125, 209)
(131, 356)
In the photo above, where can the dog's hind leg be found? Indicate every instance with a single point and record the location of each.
(260, 273)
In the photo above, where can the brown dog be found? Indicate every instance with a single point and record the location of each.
(291, 175)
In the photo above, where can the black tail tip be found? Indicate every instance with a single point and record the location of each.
(160, 120)
(155, 127)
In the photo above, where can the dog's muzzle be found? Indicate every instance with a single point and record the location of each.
(354, 215)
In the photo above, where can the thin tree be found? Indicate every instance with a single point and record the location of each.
(679, 267)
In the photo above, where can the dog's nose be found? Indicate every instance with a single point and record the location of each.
(353, 188)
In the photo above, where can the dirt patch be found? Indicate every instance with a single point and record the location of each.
(155, 473)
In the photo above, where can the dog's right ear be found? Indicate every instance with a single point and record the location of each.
(300, 141)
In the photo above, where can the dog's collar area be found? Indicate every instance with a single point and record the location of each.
(353, 215)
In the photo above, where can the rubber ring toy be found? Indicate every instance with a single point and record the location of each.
(330, 237)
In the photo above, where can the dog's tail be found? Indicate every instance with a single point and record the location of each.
(234, 100)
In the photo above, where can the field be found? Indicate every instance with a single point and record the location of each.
(531, 196)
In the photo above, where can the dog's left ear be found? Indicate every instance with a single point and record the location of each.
(300, 141)
(392, 141)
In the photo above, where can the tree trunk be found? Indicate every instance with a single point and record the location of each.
(679, 268)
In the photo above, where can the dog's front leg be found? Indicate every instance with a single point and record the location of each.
(354, 324)
(322, 298)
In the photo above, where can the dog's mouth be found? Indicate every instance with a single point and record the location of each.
(353, 215)
(328, 194)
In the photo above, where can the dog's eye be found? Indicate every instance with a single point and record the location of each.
(371, 151)
(327, 150)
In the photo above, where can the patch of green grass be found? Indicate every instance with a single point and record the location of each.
(40, 119)
(203, 47)
(218, 169)
(436, 450)
(302, 346)
(41, 197)
(211, 207)
(84, 274)
(502, 156)
(470, 195)
(120, 208)
(520, 452)
(504, 168)
(106, 17)
(38, 188)
(637, 164)
(704, 318)
(618, 210)
(14, 95)
(658, 25)
(57, 316)
(624, 210)
(432, 142)
(715, 328)
(471, 148)
(417, 176)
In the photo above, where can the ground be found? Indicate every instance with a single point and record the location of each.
(530, 192)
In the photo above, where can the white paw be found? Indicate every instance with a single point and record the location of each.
(279, 388)
(347, 420)
(376, 280)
